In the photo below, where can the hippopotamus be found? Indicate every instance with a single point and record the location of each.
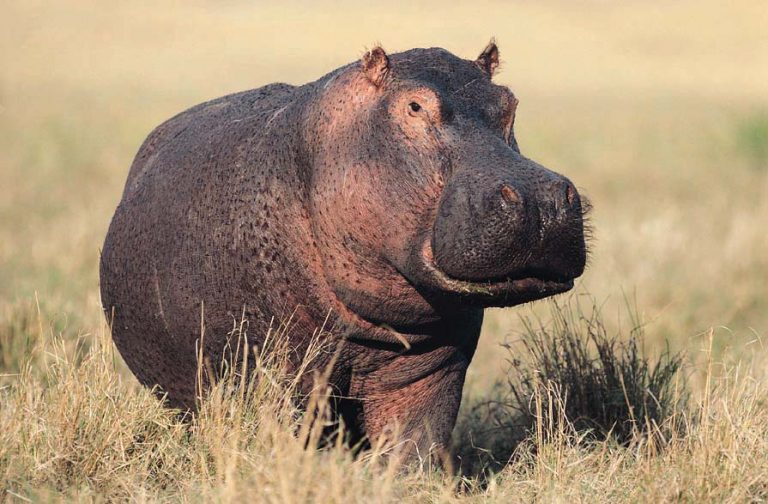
(387, 201)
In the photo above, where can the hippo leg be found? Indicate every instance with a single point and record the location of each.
(422, 412)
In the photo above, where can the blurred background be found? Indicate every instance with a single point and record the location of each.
(658, 111)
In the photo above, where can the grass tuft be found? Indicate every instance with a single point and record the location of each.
(569, 373)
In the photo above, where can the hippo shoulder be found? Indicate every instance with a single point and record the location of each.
(200, 123)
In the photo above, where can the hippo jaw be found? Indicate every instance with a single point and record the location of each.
(511, 290)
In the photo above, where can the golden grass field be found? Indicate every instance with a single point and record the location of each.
(658, 111)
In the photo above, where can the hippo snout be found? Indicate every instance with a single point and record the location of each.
(525, 221)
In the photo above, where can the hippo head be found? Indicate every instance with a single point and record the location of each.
(421, 201)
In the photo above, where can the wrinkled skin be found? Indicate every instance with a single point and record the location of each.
(390, 193)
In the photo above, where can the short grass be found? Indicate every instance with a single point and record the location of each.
(656, 111)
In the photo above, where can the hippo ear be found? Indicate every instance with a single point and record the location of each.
(375, 65)
(488, 61)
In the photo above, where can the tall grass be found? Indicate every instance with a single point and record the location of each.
(609, 387)
(566, 369)
(720, 457)
(72, 426)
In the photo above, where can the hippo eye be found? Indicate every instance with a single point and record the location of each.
(415, 107)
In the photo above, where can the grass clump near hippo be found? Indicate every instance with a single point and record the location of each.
(569, 378)
(390, 193)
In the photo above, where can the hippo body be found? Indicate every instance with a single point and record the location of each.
(386, 201)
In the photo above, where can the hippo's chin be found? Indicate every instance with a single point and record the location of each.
(509, 291)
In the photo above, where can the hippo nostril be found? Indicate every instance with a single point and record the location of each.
(509, 194)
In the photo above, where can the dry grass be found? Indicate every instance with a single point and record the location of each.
(657, 111)
(606, 386)
(73, 427)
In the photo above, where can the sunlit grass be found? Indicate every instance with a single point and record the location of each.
(73, 426)
(655, 111)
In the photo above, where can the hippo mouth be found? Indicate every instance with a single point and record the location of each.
(512, 289)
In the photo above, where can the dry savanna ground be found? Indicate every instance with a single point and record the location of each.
(657, 110)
